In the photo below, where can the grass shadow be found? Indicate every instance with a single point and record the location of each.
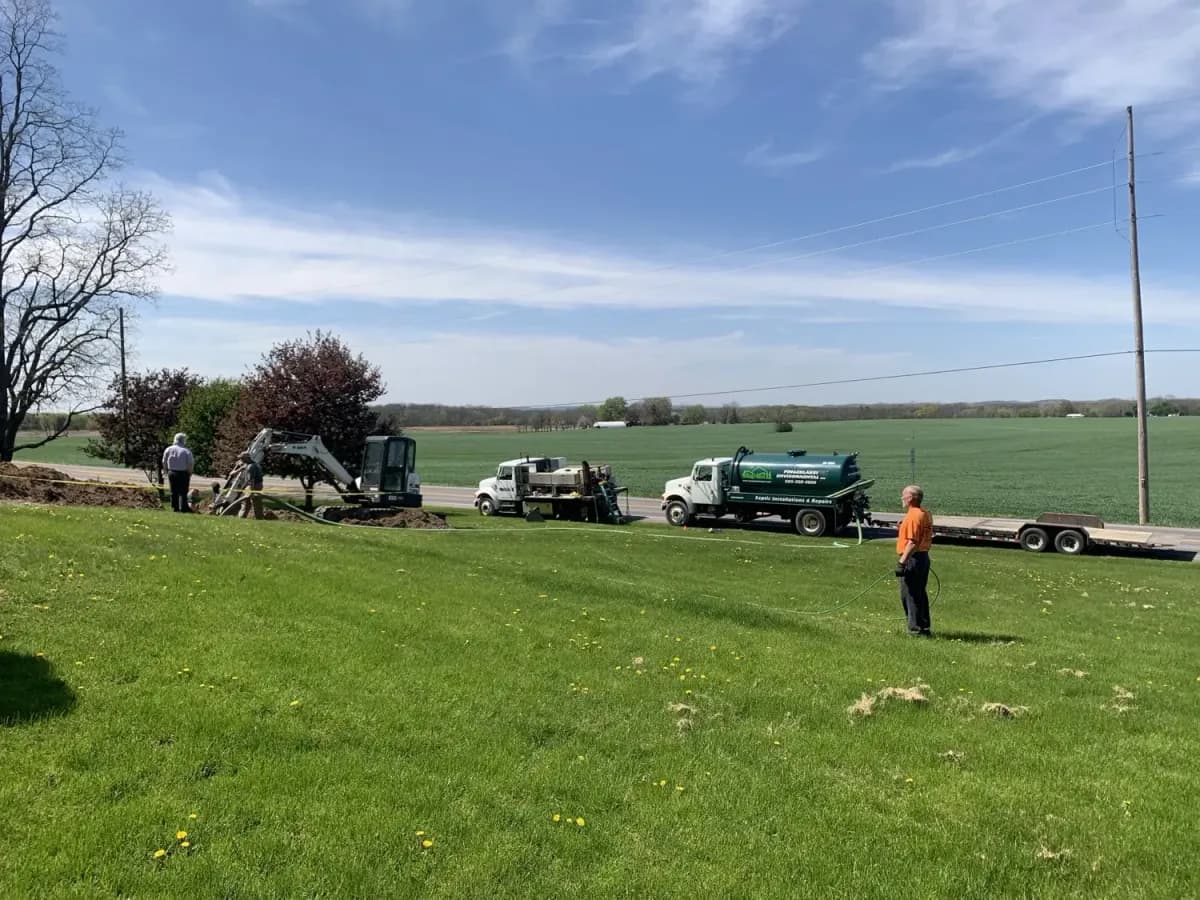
(976, 637)
(30, 691)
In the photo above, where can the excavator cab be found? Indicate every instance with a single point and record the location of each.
(389, 472)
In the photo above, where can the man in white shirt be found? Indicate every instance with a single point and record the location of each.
(177, 460)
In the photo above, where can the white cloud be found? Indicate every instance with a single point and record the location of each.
(693, 41)
(231, 249)
(766, 158)
(1093, 57)
(452, 367)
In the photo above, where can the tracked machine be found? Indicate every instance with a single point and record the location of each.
(388, 482)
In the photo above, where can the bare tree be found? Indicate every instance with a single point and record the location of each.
(73, 245)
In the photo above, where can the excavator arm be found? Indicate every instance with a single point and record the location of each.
(267, 441)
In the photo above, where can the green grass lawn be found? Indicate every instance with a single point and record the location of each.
(583, 711)
(1019, 467)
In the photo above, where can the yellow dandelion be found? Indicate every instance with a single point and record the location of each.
(662, 783)
(186, 844)
(556, 817)
(160, 853)
(193, 815)
(679, 787)
(181, 835)
(420, 834)
(580, 822)
(908, 781)
(294, 703)
(427, 843)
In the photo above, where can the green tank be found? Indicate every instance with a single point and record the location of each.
(794, 473)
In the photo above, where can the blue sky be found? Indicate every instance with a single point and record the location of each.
(547, 201)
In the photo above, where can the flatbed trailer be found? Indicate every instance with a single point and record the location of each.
(1063, 532)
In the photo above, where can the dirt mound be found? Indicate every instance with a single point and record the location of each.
(399, 518)
(38, 484)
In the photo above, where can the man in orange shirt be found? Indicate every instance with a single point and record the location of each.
(912, 544)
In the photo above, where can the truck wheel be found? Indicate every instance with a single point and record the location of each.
(1070, 542)
(811, 523)
(677, 513)
(1035, 540)
(487, 506)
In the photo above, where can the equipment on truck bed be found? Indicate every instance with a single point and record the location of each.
(551, 487)
(388, 481)
(817, 494)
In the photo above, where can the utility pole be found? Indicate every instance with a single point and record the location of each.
(124, 395)
(1139, 347)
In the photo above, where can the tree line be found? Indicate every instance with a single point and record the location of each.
(655, 411)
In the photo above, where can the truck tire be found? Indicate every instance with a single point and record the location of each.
(677, 513)
(811, 523)
(487, 506)
(1035, 540)
(1070, 541)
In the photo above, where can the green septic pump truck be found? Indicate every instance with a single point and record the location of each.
(818, 495)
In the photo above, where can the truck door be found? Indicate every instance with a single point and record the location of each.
(704, 486)
(506, 490)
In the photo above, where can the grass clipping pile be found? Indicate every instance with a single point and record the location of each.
(38, 484)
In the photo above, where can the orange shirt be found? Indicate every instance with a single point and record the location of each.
(917, 526)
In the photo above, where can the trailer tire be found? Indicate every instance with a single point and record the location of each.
(1035, 540)
(677, 513)
(487, 506)
(811, 523)
(1070, 541)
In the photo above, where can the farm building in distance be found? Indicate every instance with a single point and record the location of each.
(609, 425)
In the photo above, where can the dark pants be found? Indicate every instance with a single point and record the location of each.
(914, 596)
(179, 490)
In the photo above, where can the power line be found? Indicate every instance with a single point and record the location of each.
(926, 230)
(872, 378)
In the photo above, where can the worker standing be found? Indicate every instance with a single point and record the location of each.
(912, 544)
(254, 476)
(178, 461)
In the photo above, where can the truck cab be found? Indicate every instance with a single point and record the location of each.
(700, 493)
(503, 492)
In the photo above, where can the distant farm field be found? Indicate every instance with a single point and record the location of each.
(198, 707)
(967, 466)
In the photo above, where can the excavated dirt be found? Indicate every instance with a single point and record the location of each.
(38, 484)
(400, 518)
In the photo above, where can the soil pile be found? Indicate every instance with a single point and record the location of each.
(388, 518)
(38, 484)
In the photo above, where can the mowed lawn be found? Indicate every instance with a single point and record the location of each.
(581, 711)
(998, 467)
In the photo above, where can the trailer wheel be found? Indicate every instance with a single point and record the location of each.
(677, 513)
(811, 522)
(487, 506)
(1070, 542)
(1035, 540)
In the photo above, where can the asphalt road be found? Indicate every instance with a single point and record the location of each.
(1183, 542)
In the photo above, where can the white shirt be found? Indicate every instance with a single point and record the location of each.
(177, 459)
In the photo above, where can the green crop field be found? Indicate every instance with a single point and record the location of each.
(64, 451)
(967, 466)
(192, 706)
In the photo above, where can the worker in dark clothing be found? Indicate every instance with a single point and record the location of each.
(254, 481)
(178, 461)
(912, 544)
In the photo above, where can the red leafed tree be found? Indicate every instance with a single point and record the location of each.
(311, 386)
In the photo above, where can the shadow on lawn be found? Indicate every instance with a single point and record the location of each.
(975, 637)
(29, 690)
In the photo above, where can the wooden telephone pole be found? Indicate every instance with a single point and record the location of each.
(1139, 348)
(124, 396)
